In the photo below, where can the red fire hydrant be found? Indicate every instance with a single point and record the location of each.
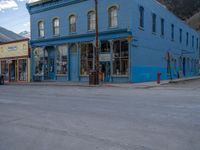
(158, 77)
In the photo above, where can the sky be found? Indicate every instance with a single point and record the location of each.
(14, 16)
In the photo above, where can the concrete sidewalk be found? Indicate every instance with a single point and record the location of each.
(144, 85)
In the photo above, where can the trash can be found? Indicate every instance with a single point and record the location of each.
(1, 80)
(93, 79)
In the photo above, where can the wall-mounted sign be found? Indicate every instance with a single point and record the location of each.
(104, 57)
(12, 48)
(9, 61)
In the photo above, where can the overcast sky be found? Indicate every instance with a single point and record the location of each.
(14, 15)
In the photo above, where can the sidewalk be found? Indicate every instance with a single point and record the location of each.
(144, 85)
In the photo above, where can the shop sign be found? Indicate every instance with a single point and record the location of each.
(12, 48)
(104, 57)
(9, 61)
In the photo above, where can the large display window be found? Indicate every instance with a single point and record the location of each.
(61, 60)
(38, 61)
(86, 58)
(120, 57)
(4, 70)
(22, 70)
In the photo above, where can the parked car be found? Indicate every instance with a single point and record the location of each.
(1, 80)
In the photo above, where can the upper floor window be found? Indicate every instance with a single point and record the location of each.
(180, 35)
(162, 27)
(193, 41)
(56, 26)
(41, 29)
(154, 23)
(141, 9)
(172, 32)
(113, 16)
(187, 39)
(72, 23)
(91, 20)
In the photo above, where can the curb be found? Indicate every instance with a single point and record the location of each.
(184, 80)
(51, 85)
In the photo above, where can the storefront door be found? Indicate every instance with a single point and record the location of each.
(51, 64)
(13, 70)
(105, 71)
(73, 64)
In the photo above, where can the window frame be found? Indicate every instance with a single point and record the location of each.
(193, 41)
(56, 27)
(120, 56)
(113, 19)
(41, 29)
(141, 21)
(172, 32)
(72, 25)
(180, 35)
(187, 38)
(162, 20)
(154, 19)
(91, 21)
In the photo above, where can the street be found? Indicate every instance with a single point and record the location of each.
(100, 118)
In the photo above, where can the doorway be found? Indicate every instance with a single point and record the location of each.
(49, 63)
(184, 66)
(13, 70)
(105, 71)
(73, 75)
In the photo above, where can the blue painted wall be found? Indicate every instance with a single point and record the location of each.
(147, 50)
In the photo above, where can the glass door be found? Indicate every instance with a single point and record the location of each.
(105, 71)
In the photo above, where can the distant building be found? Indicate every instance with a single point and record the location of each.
(138, 39)
(15, 61)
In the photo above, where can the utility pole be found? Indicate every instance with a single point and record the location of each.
(97, 43)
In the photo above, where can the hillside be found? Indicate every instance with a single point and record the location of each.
(188, 10)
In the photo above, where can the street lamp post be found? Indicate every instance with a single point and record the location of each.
(96, 43)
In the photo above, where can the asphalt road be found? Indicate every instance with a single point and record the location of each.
(105, 118)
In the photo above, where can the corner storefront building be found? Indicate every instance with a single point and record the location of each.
(138, 40)
(15, 61)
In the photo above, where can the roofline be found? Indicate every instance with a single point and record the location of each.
(17, 41)
(37, 2)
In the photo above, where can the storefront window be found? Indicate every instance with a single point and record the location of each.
(120, 57)
(86, 58)
(4, 69)
(22, 70)
(61, 60)
(105, 47)
(38, 61)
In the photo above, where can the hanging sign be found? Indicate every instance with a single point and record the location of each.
(104, 57)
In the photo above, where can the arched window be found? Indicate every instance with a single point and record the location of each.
(41, 29)
(91, 20)
(113, 16)
(72, 23)
(56, 26)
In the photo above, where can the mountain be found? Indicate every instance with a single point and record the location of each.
(7, 36)
(188, 10)
(25, 34)
(194, 21)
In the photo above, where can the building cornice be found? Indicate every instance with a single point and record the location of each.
(102, 35)
(49, 5)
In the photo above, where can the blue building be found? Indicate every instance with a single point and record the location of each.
(138, 40)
